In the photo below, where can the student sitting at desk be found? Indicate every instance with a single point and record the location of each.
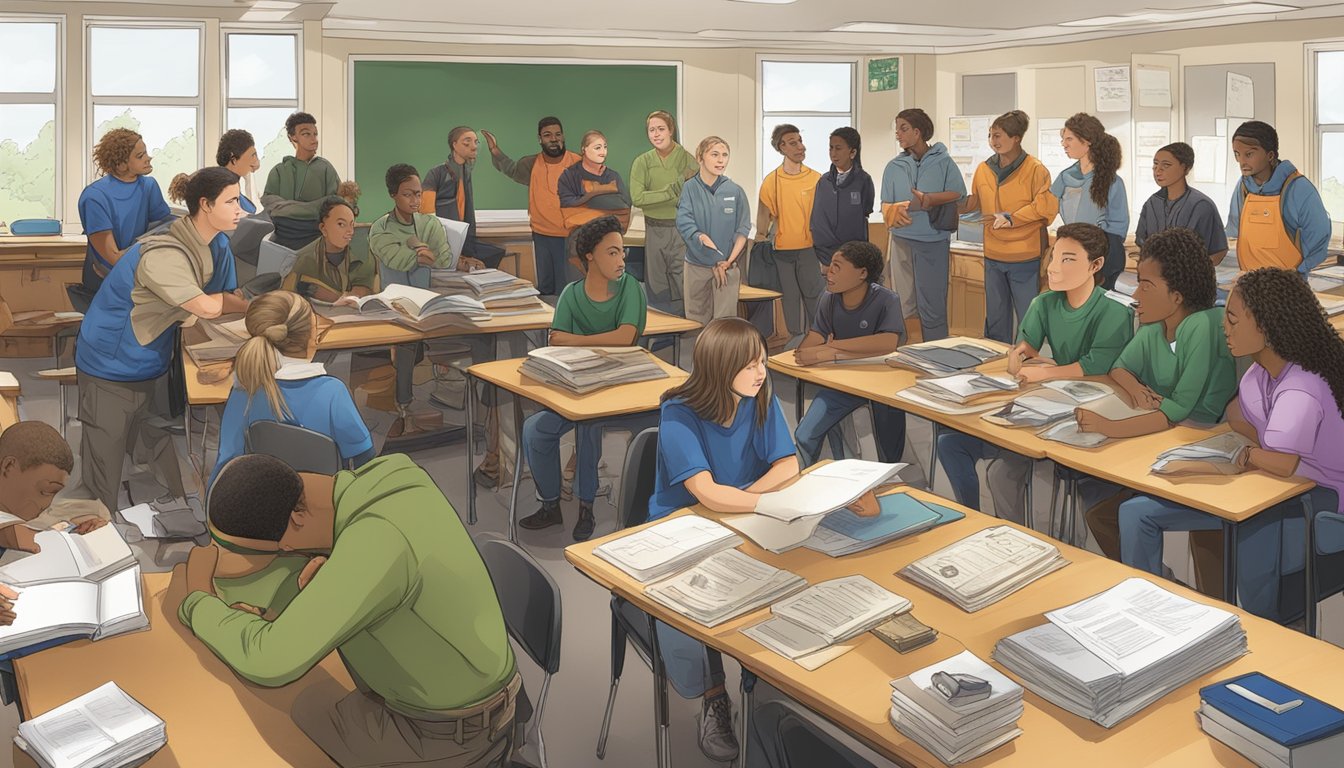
(1091, 190)
(119, 207)
(127, 338)
(396, 586)
(238, 152)
(277, 363)
(1176, 204)
(856, 317)
(1086, 332)
(1290, 405)
(714, 219)
(326, 269)
(1276, 214)
(35, 463)
(606, 308)
(1177, 363)
(297, 186)
(449, 193)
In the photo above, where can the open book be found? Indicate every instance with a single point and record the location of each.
(1216, 455)
(410, 306)
(104, 728)
(65, 556)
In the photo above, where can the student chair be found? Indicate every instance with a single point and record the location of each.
(530, 600)
(795, 737)
(1323, 575)
(302, 449)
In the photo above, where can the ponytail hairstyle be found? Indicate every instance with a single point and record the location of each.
(205, 184)
(1294, 324)
(1104, 153)
(852, 140)
(725, 347)
(279, 323)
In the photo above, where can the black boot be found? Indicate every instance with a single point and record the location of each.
(548, 515)
(583, 529)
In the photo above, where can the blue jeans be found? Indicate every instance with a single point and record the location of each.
(691, 667)
(931, 262)
(1009, 289)
(958, 454)
(1115, 260)
(829, 407)
(549, 253)
(541, 444)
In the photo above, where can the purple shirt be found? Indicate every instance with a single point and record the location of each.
(1296, 413)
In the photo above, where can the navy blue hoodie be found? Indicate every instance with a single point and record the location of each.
(840, 210)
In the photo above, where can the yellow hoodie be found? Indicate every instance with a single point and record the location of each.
(1025, 197)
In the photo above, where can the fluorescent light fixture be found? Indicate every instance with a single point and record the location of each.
(767, 2)
(890, 28)
(1207, 12)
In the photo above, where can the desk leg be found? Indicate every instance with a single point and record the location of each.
(676, 350)
(471, 450)
(517, 466)
(1230, 561)
(933, 454)
(1309, 575)
(1072, 520)
(660, 714)
(1028, 514)
(798, 401)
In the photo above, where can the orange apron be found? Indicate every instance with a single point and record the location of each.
(1263, 239)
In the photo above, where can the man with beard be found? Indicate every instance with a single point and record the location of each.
(541, 174)
(448, 193)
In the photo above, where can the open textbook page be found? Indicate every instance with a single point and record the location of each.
(104, 727)
(667, 547)
(826, 488)
(722, 586)
(825, 614)
(66, 556)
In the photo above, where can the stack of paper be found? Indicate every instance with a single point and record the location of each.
(416, 308)
(941, 359)
(985, 567)
(963, 727)
(667, 547)
(1039, 409)
(587, 369)
(905, 633)
(1216, 455)
(724, 585)
(1113, 654)
(104, 728)
(1272, 725)
(843, 533)
(499, 291)
(966, 387)
(825, 614)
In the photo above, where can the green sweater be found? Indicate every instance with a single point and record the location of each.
(404, 595)
(655, 181)
(295, 189)
(576, 313)
(1197, 378)
(1092, 335)
(388, 236)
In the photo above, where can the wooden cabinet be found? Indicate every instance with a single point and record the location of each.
(966, 294)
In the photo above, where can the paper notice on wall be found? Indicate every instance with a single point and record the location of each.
(1220, 126)
(1240, 96)
(968, 143)
(1112, 88)
(1154, 87)
(1049, 150)
(1210, 159)
(1148, 138)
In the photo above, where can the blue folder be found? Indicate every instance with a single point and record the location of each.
(1312, 721)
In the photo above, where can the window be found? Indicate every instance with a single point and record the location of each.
(29, 164)
(1329, 74)
(816, 96)
(262, 84)
(148, 79)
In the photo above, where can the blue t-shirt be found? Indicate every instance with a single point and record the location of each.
(125, 207)
(321, 403)
(248, 206)
(737, 455)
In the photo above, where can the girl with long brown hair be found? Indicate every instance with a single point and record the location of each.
(1091, 190)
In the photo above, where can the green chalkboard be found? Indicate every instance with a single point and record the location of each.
(403, 111)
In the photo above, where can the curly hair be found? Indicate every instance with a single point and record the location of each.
(1104, 153)
(1294, 324)
(114, 149)
(589, 235)
(293, 122)
(1185, 266)
(232, 144)
(863, 255)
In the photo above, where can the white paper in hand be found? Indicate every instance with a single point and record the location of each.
(827, 488)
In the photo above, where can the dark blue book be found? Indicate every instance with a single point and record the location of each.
(1309, 722)
(899, 515)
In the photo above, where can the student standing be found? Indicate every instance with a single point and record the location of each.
(1086, 332)
(591, 189)
(1091, 190)
(540, 173)
(656, 181)
(119, 207)
(844, 197)
(1176, 204)
(277, 364)
(127, 338)
(785, 214)
(326, 269)
(856, 317)
(449, 194)
(924, 175)
(238, 152)
(1289, 405)
(1011, 190)
(297, 186)
(605, 309)
(1276, 214)
(714, 219)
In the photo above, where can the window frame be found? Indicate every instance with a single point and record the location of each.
(295, 104)
(55, 98)
(763, 118)
(1315, 146)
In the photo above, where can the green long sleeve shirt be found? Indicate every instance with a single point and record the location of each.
(404, 595)
(1092, 335)
(295, 189)
(388, 237)
(656, 181)
(1195, 375)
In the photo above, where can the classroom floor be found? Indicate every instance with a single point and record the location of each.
(579, 691)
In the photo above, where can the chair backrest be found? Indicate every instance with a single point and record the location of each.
(637, 479)
(80, 297)
(273, 257)
(529, 598)
(801, 740)
(302, 449)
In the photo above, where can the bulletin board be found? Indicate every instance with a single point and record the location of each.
(1209, 127)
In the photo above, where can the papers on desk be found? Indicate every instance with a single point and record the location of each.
(911, 395)
(825, 614)
(826, 488)
(956, 732)
(104, 728)
(581, 370)
(985, 567)
(964, 388)
(1216, 455)
(944, 357)
(667, 547)
(416, 308)
(1039, 409)
(899, 515)
(724, 585)
(501, 293)
(67, 556)
(1109, 656)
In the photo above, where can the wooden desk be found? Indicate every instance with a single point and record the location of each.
(748, 293)
(853, 692)
(660, 323)
(35, 270)
(210, 711)
(516, 238)
(619, 400)
(9, 408)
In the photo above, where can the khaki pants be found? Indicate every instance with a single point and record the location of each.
(706, 301)
(111, 414)
(900, 273)
(358, 729)
(664, 255)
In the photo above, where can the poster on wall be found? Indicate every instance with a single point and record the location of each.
(1154, 87)
(1112, 88)
(1148, 138)
(884, 74)
(1240, 96)
(968, 143)
(1210, 159)
(1049, 150)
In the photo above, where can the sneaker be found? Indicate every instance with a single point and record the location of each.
(548, 515)
(487, 480)
(717, 739)
(583, 529)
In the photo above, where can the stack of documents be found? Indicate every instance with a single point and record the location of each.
(1216, 455)
(722, 586)
(581, 370)
(1038, 409)
(1113, 654)
(104, 728)
(500, 292)
(667, 547)
(942, 358)
(980, 715)
(905, 633)
(985, 567)
(843, 533)
(825, 614)
(416, 308)
(966, 387)
(1270, 724)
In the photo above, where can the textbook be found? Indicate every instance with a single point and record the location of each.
(726, 584)
(944, 357)
(1216, 455)
(825, 614)
(65, 556)
(1272, 724)
(667, 547)
(843, 533)
(104, 728)
(985, 567)
(581, 370)
(501, 293)
(413, 307)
